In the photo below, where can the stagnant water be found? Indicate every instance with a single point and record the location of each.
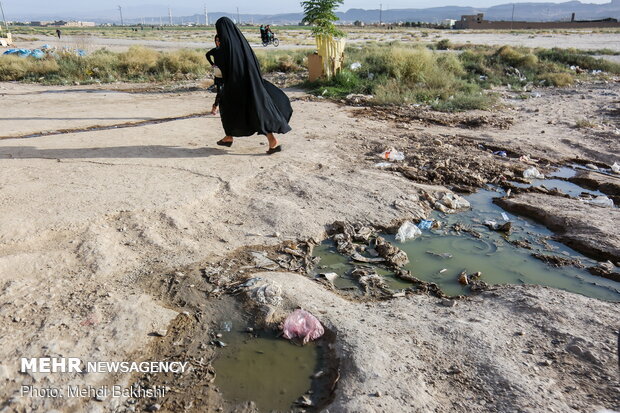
(499, 261)
(263, 368)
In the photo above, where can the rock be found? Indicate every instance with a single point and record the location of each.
(448, 303)
(393, 255)
(399, 259)
(153, 407)
(360, 258)
(454, 370)
(455, 202)
(582, 353)
(329, 276)
(261, 261)
(268, 293)
(463, 279)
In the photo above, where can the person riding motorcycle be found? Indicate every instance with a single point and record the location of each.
(268, 34)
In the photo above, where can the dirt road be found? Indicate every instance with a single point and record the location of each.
(89, 218)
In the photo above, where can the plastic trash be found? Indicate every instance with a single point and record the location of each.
(491, 224)
(506, 218)
(500, 153)
(37, 54)
(382, 164)
(355, 66)
(532, 173)
(226, 326)
(602, 201)
(425, 224)
(454, 201)
(592, 166)
(407, 231)
(393, 155)
(301, 323)
(615, 168)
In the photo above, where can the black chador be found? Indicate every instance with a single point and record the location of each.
(249, 104)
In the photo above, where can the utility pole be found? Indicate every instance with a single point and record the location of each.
(161, 22)
(4, 18)
(512, 19)
(206, 16)
(170, 16)
(380, 14)
(120, 10)
(238, 19)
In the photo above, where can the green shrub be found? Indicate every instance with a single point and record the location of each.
(572, 57)
(557, 79)
(520, 60)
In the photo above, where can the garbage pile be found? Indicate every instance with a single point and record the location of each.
(45, 51)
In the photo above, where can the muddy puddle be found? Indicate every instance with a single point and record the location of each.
(260, 366)
(238, 361)
(440, 255)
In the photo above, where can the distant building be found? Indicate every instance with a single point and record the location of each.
(476, 21)
(74, 24)
(448, 22)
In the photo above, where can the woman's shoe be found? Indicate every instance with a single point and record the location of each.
(274, 150)
(222, 142)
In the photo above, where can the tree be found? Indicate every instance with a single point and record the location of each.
(321, 15)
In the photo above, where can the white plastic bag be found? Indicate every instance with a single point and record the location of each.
(454, 201)
(301, 323)
(532, 172)
(602, 201)
(393, 155)
(408, 231)
(616, 168)
(356, 66)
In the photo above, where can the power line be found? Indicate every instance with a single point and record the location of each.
(120, 10)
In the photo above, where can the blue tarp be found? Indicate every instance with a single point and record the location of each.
(40, 54)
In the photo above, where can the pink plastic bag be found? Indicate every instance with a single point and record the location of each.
(301, 323)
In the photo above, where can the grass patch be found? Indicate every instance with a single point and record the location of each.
(282, 60)
(574, 57)
(138, 64)
(395, 74)
(584, 124)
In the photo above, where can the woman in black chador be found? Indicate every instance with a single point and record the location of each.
(248, 104)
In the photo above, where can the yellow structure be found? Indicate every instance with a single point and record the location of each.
(332, 54)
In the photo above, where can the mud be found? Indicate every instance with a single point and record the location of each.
(86, 233)
(592, 233)
(422, 115)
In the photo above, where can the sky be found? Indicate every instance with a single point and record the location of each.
(13, 7)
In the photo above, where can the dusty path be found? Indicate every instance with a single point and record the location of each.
(295, 39)
(87, 217)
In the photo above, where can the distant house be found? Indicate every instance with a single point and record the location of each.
(448, 22)
(477, 22)
(62, 23)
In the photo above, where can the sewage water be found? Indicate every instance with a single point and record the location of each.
(499, 261)
(567, 187)
(265, 369)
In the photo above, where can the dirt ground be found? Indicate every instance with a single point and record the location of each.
(293, 39)
(90, 219)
